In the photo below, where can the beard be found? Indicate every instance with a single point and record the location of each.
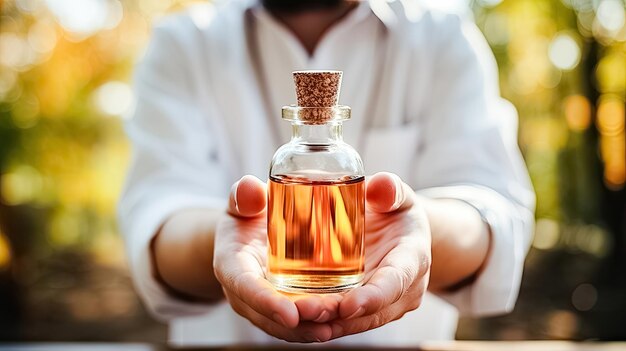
(294, 6)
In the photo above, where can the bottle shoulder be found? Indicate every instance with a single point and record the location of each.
(334, 159)
(333, 149)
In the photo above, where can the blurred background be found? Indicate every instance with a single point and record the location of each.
(65, 67)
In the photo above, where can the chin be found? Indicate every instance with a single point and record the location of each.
(300, 5)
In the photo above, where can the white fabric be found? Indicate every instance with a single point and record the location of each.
(437, 121)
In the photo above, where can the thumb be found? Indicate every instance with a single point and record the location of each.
(386, 192)
(247, 197)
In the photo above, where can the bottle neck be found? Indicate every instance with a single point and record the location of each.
(327, 133)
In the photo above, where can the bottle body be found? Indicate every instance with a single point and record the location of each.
(316, 212)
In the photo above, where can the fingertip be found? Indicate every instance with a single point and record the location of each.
(309, 308)
(261, 296)
(351, 306)
(292, 318)
(284, 311)
(384, 192)
(249, 195)
(287, 318)
(316, 332)
(324, 332)
(361, 301)
(319, 309)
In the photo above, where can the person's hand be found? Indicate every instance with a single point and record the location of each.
(239, 263)
(397, 258)
(397, 252)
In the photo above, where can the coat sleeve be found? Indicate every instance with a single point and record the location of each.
(174, 164)
(470, 153)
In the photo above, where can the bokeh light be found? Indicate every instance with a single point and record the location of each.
(15, 52)
(8, 78)
(611, 116)
(81, 19)
(546, 234)
(564, 52)
(42, 36)
(562, 324)
(610, 121)
(5, 252)
(21, 185)
(114, 99)
(610, 14)
(584, 297)
(577, 112)
(496, 29)
(610, 72)
(579, 5)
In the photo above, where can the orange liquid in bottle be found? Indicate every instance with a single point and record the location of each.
(315, 231)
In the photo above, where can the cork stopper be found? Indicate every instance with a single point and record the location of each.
(317, 92)
(317, 88)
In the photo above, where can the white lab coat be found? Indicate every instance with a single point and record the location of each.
(424, 92)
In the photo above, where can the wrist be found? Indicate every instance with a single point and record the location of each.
(460, 242)
(431, 211)
(182, 254)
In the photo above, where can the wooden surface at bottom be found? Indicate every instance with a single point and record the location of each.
(522, 346)
(426, 346)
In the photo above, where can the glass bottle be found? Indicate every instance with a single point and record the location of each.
(316, 196)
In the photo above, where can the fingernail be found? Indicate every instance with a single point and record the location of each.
(322, 317)
(235, 188)
(399, 192)
(357, 313)
(278, 319)
(311, 338)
